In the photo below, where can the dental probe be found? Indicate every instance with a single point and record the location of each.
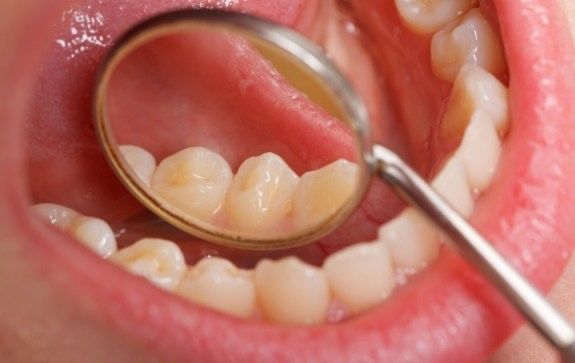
(310, 60)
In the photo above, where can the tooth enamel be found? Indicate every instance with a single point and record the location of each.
(474, 89)
(94, 233)
(195, 180)
(451, 184)
(159, 261)
(261, 193)
(480, 150)
(321, 193)
(361, 275)
(411, 240)
(55, 214)
(141, 161)
(291, 292)
(428, 16)
(468, 40)
(217, 283)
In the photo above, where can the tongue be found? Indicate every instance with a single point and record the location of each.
(66, 165)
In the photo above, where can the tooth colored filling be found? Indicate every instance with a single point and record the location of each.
(265, 190)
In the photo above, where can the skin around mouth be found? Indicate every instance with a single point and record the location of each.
(442, 311)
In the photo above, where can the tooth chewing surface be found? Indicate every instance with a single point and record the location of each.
(59, 216)
(195, 180)
(260, 196)
(94, 233)
(321, 193)
(159, 261)
(217, 283)
(292, 292)
(469, 40)
(141, 161)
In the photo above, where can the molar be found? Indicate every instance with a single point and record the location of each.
(292, 292)
(322, 192)
(360, 275)
(159, 261)
(57, 215)
(260, 196)
(141, 161)
(467, 40)
(474, 89)
(428, 16)
(195, 180)
(217, 283)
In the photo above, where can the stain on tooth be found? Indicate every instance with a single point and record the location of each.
(218, 284)
(469, 40)
(260, 196)
(195, 180)
(428, 16)
(159, 261)
(94, 233)
(411, 239)
(292, 292)
(56, 215)
(141, 161)
(451, 183)
(360, 276)
(480, 150)
(322, 192)
(474, 89)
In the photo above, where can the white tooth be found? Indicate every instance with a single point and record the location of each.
(217, 283)
(411, 240)
(94, 233)
(141, 161)
(322, 192)
(292, 292)
(480, 150)
(159, 261)
(475, 89)
(195, 180)
(261, 194)
(360, 275)
(428, 16)
(468, 40)
(55, 214)
(451, 183)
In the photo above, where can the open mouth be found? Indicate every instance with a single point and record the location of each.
(519, 197)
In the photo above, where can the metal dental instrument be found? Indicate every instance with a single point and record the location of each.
(307, 60)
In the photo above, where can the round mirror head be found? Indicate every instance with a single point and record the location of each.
(233, 129)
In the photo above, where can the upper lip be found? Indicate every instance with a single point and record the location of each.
(526, 214)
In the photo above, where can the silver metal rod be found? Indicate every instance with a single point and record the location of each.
(477, 250)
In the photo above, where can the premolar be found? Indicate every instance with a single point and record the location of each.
(467, 40)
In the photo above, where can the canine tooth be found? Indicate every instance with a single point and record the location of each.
(451, 183)
(474, 89)
(94, 233)
(260, 195)
(468, 40)
(195, 180)
(141, 161)
(55, 214)
(428, 16)
(159, 261)
(411, 240)
(292, 292)
(322, 192)
(217, 283)
(360, 275)
(480, 150)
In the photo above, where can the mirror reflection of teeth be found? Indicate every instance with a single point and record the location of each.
(355, 278)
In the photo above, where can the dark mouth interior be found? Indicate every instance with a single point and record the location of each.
(156, 83)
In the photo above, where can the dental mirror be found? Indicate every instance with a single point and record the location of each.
(226, 65)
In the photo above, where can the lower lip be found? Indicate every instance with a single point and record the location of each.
(449, 311)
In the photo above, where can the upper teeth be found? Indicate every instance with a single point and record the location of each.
(141, 161)
(428, 16)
